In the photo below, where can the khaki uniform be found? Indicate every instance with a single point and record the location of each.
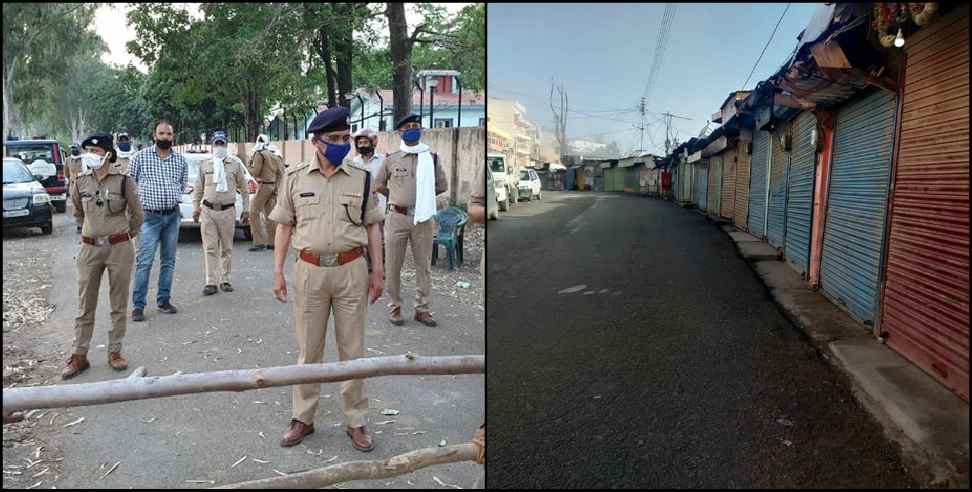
(121, 164)
(267, 169)
(118, 216)
(73, 166)
(326, 213)
(478, 199)
(396, 180)
(218, 224)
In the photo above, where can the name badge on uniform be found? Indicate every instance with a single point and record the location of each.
(306, 194)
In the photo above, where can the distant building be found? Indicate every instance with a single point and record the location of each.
(445, 113)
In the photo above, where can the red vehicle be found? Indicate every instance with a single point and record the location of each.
(49, 151)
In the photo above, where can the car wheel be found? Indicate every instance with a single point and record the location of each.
(540, 196)
(60, 207)
(47, 229)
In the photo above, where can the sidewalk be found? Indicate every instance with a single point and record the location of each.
(929, 422)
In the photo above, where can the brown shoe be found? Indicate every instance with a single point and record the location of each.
(360, 439)
(425, 318)
(117, 362)
(396, 317)
(75, 365)
(296, 433)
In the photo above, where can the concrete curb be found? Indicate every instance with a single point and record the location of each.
(929, 422)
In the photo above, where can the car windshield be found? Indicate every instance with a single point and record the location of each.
(525, 175)
(15, 172)
(30, 153)
(496, 164)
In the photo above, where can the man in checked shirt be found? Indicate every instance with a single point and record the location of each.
(161, 176)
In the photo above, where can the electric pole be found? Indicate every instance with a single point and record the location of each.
(668, 129)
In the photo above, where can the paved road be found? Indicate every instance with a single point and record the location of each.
(164, 442)
(630, 347)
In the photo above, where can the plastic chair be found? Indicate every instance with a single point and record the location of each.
(451, 224)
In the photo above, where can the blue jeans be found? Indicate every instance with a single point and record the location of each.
(156, 229)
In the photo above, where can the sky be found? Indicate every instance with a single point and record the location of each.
(602, 54)
(112, 25)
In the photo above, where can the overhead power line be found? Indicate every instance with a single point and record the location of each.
(751, 72)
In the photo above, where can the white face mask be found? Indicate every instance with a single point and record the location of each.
(93, 161)
(219, 152)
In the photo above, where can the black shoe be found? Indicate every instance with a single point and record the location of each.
(258, 247)
(79, 230)
(226, 287)
(168, 308)
(137, 315)
(270, 247)
(207, 291)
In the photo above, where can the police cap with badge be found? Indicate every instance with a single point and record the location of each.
(330, 120)
(412, 118)
(102, 140)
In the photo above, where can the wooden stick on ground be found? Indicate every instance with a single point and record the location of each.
(140, 388)
(365, 470)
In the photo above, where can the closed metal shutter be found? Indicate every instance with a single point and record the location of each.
(799, 200)
(926, 290)
(742, 187)
(856, 207)
(777, 197)
(713, 191)
(728, 183)
(701, 183)
(685, 176)
(757, 183)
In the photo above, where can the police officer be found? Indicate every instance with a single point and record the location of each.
(73, 169)
(107, 204)
(365, 143)
(330, 212)
(266, 167)
(407, 179)
(217, 183)
(125, 152)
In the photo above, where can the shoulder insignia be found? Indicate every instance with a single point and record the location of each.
(297, 167)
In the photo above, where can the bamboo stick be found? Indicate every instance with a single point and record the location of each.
(365, 470)
(140, 388)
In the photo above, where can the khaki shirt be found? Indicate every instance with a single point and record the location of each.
(326, 211)
(396, 178)
(266, 167)
(110, 217)
(121, 164)
(73, 167)
(205, 186)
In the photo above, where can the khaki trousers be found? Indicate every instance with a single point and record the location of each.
(92, 261)
(320, 290)
(399, 231)
(217, 229)
(260, 208)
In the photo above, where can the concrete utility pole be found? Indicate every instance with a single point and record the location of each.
(668, 129)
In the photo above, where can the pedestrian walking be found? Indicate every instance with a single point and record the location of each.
(266, 167)
(365, 143)
(107, 205)
(410, 178)
(329, 211)
(217, 183)
(161, 175)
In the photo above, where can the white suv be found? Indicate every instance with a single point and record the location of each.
(529, 186)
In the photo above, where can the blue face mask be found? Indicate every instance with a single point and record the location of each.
(124, 147)
(412, 135)
(336, 153)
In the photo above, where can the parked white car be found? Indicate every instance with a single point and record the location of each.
(492, 197)
(529, 186)
(185, 206)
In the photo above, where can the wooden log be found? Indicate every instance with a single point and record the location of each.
(140, 388)
(365, 470)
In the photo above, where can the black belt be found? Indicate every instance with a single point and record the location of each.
(217, 207)
(162, 212)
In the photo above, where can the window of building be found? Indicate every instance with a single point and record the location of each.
(443, 123)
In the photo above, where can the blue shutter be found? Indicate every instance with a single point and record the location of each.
(799, 202)
(757, 183)
(701, 183)
(777, 197)
(857, 204)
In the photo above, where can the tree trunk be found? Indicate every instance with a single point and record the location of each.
(342, 51)
(400, 46)
(365, 470)
(8, 106)
(140, 388)
(324, 46)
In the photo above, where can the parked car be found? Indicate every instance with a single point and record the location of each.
(185, 206)
(49, 151)
(492, 210)
(529, 185)
(505, 191)
(25, 201)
